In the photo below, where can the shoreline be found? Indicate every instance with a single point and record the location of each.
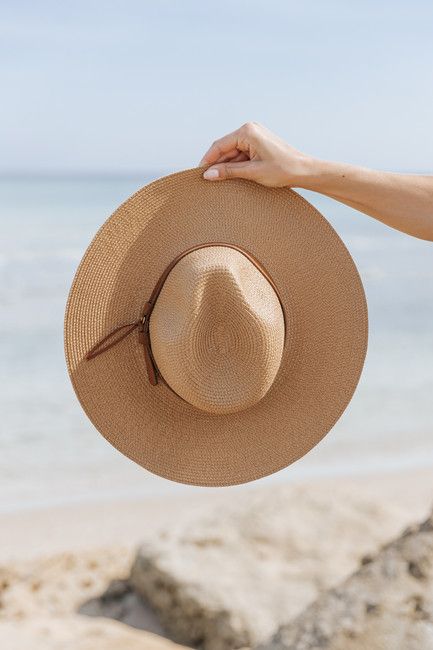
(305, 469)
(127, 520)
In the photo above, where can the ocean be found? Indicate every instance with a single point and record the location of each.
(51, 454)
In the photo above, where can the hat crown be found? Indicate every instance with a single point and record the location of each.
(217, 330)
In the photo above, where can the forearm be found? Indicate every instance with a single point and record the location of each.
(402, 201)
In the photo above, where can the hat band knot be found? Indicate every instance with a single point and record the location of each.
(143, 336)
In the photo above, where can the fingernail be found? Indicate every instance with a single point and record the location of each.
(210, 174)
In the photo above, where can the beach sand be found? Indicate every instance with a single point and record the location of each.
(55, 560)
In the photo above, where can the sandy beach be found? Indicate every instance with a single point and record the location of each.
(55, 561)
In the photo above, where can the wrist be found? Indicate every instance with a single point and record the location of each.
(332, 178)
(315, 174)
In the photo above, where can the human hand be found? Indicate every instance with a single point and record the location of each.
(401, 201)
(255, 153)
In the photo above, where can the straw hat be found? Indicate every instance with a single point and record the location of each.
(215, 332)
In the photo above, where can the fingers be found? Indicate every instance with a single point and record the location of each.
(233, 156)
(223, 171)
(219, 149)
(240, 157)
(229, 156)
(237, 140)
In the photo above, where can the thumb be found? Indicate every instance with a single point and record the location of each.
(224, 171)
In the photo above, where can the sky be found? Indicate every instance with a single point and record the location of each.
(136, 86)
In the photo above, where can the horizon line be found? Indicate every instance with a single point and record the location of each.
(106, 174)
(28, 174)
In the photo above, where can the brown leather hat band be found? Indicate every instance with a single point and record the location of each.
(142, 323)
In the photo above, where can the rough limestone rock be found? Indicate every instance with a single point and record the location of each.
(77, 633)
(230, 579)
(386, 605)
(39, 599)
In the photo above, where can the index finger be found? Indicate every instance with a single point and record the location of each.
(221, 147)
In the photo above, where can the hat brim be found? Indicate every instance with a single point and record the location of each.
(326, 318)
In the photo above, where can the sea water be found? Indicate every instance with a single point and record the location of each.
(51, 454)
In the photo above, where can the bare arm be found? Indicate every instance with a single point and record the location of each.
(401, 201)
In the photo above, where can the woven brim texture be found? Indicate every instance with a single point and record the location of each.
(326, 319)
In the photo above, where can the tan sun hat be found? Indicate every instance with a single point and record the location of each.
(215, 332)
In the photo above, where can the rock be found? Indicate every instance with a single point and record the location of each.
(386, 605)
(120, 601)
(77, 633)
(230, 579)
(39, 599)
